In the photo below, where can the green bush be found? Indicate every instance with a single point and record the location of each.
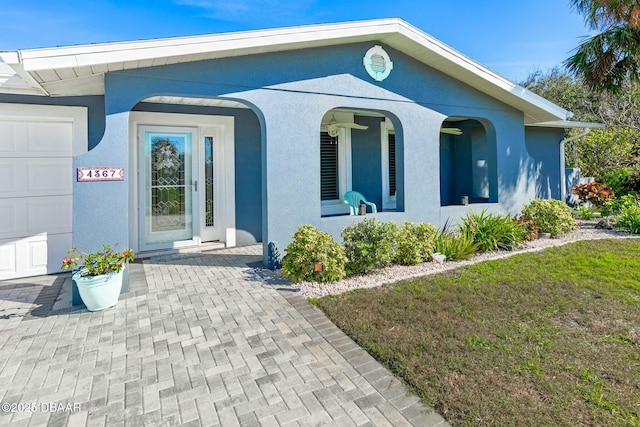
(414, 243)
(585, 212)
(308, 246)
(628, 217)
(551, 216)
(491, 232)
(454, 245)
(614, 205)
(369, 244)
(619, 180)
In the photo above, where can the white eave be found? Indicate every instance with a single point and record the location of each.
(15, 81)
(79, 70)
(569, 124)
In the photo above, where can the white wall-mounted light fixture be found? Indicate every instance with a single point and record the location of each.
(377, 63)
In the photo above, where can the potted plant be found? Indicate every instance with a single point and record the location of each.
(99, 277)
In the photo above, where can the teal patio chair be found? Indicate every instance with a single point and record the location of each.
(353, 199)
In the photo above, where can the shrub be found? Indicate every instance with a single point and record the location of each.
(585, 212)
(614, 205)
(454, 245)
(596, 194)
(491, 232)
(414, 243)
(628, 217)
(308, 246)
(619, 180)
(369, 244)
(551, 216)
(530, 226)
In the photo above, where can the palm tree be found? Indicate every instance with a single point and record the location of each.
(611, 58)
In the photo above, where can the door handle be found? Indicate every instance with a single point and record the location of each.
(195, 186)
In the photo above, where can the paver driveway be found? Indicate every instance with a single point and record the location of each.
(200, 339)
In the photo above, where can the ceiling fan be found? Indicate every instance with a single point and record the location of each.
(334, 125)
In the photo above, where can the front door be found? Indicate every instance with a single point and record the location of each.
(178, 187)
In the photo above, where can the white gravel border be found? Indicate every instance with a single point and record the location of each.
(395, 273)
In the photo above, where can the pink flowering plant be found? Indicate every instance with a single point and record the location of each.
(103, 261)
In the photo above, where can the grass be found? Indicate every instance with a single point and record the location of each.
(549, 338)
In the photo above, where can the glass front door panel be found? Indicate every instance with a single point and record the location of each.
(168, 187)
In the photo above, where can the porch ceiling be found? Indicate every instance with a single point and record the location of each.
(79, 70)
(202, 102)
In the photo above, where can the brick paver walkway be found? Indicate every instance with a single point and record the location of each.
(199, 340)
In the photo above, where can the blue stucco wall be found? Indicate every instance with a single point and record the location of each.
(288, 93)
(543, 147)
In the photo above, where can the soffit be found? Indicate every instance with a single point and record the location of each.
(569, 124)
(79, 70)
(201, 102)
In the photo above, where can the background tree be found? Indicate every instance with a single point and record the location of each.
(610, 155)
(611, 58)
(617, 110)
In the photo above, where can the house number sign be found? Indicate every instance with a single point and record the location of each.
(100, 174)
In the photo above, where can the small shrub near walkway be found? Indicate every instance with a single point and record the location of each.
(547, 338)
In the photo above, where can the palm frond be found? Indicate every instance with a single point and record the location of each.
(608, 59)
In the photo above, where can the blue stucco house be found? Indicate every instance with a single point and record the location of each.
(239, 138)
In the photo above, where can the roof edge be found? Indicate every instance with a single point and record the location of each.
(33, 60)
(483, 71)
(38, 58)
(569, 124)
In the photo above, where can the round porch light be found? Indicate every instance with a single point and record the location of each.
(377, 63)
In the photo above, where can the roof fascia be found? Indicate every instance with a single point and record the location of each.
(259, 40)
(12, 59)
(568, 124)
(480, 70)
(264, 41)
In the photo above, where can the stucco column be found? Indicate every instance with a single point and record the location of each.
(291, 169)
(100, 209)
(421, 152)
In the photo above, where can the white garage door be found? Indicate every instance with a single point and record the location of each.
(37, 144)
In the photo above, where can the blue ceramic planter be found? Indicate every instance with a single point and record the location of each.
(99, 292)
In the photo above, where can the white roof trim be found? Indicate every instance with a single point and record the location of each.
(106, 53)
(96, 59)
(569, 124)
(14, 80)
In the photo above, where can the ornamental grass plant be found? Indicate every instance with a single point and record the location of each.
(454, 245)
(491, 232)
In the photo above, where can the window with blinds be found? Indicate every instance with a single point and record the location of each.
(392, 164)
(329, 183)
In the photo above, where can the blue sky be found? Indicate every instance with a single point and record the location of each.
(512, 37)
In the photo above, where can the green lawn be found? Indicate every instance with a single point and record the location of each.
(549, 338)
